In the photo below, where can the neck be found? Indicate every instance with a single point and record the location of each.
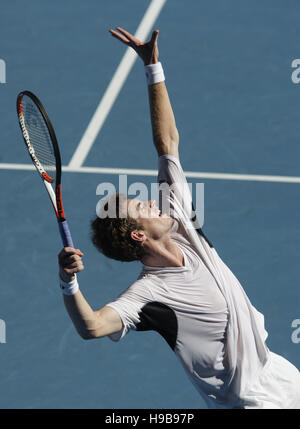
(163, 254)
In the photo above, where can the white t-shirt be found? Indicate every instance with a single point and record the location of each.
(186, 306)
(200, 309)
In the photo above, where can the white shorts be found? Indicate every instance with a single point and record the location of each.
(278, 385)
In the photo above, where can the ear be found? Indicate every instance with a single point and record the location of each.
(138, 235)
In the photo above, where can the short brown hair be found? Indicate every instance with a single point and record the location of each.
(112, 236)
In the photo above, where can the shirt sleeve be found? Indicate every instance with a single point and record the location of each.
(128, 305)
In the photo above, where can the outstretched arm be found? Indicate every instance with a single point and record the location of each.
(165, 134)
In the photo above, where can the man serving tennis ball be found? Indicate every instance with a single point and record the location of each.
(185, 291)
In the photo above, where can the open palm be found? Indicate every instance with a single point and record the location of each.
(147, 51)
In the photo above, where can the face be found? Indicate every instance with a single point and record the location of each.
(154, 223)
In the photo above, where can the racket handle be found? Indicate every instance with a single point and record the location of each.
(65, 234)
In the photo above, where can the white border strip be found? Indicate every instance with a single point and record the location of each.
(189, 174)
(114, 87)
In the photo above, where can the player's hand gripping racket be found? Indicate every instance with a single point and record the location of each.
(43, 149)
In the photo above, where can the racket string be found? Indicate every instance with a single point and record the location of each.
(39, 135)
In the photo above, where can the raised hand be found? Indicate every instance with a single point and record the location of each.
(147, 51)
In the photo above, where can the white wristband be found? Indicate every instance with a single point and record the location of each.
(69, 288)
(154, 73)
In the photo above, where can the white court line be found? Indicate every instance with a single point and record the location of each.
(114, 87)
(188, 174)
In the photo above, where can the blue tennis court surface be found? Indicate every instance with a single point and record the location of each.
(228, 71)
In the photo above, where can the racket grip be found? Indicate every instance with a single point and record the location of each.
(65, 234)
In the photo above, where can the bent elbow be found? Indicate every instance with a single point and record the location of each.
(87, 335)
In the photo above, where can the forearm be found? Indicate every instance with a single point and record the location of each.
(82, 315)
(165, 134)
(88, 323)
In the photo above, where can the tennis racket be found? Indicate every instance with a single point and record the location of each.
(40, 140)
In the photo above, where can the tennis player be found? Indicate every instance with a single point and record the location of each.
(184, 292)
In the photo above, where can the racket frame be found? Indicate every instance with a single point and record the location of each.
(55, 197)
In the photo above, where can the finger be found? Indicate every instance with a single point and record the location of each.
(70, 259)
(68, 249)
(129, 36)
(70, 271)
(71, 251)
(73, 265)
(119, 37)
(64, 254)
(154, 36)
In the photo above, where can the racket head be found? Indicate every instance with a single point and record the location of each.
(39, 136)
(41, 142)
